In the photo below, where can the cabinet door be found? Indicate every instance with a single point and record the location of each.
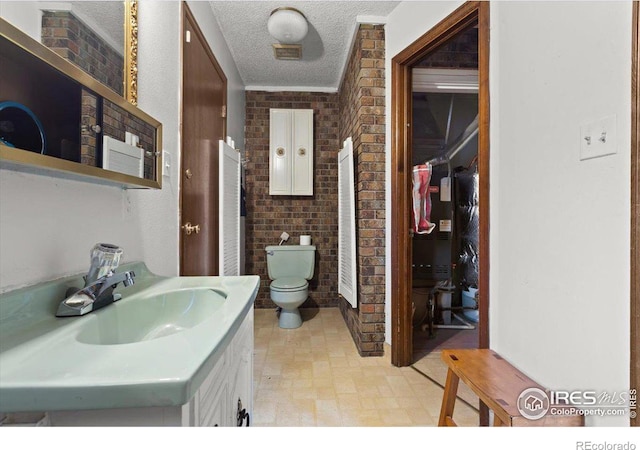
(241, 381)
(302, 170)
(280, 152)
(212, 407)
(215, 413)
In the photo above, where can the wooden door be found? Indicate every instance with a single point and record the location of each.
(204, 93)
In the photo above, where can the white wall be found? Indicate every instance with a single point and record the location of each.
(559, 226)
(25, 15)
(154, 214)
(48, 225)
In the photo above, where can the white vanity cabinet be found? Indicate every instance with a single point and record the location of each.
(225, 398)
(290, 151)
(215, 403)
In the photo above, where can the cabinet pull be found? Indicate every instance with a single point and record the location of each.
(280, 151)
(302, 151)
(241, 415)
(188, 228)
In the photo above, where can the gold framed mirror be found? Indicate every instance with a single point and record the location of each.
(131, 51)
(100, 37)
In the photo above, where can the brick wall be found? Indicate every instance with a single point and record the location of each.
(268, 216)
(88, 119)
(362, 117)
(73, 40)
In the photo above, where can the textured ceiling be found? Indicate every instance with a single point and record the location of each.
(324, 50)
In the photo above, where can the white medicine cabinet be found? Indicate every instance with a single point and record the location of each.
(291, 152)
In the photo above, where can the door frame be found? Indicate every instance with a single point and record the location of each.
(635, 207)
(187, 15)
(401, 115)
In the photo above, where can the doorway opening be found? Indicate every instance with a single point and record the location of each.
(445, 232)
(409, 148)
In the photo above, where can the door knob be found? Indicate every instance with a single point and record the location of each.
(188, 228)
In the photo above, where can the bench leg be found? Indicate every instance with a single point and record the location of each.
(449, 399)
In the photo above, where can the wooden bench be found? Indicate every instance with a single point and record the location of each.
(498, 385)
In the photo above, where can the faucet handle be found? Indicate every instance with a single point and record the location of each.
(129, 278)
(105, 258)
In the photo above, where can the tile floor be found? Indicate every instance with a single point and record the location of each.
(313, 376)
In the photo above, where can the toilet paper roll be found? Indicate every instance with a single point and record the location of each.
(305, 240)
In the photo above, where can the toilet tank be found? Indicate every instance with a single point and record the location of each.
(291, 261)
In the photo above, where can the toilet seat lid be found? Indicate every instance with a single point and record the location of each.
(289, 283)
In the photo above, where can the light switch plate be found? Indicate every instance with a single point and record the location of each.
(598, 138)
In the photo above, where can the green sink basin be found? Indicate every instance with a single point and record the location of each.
(142, 319)
(152, 348)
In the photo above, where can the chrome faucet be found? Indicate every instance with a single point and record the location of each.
(100, 282)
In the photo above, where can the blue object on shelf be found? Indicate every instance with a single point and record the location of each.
(7, 143)
(21, 128)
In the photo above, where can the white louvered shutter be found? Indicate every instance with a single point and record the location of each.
(229, 209)
(347, 274)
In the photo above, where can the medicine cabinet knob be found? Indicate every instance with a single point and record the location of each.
(188, 228)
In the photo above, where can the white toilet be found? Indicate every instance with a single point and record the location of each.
(290, 267)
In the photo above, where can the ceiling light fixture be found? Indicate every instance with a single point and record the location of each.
(287, 25)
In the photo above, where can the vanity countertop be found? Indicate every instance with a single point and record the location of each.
(46, 365)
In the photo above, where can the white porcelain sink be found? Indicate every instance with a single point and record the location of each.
(146, 318)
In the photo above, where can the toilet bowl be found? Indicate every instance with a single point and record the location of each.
(290, 267)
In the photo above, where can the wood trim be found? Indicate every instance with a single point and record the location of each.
(635, 206)
(483, 170)
(401, 247)
(443, 31)
(183, 15)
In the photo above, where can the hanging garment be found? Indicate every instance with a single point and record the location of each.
(422, 199)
